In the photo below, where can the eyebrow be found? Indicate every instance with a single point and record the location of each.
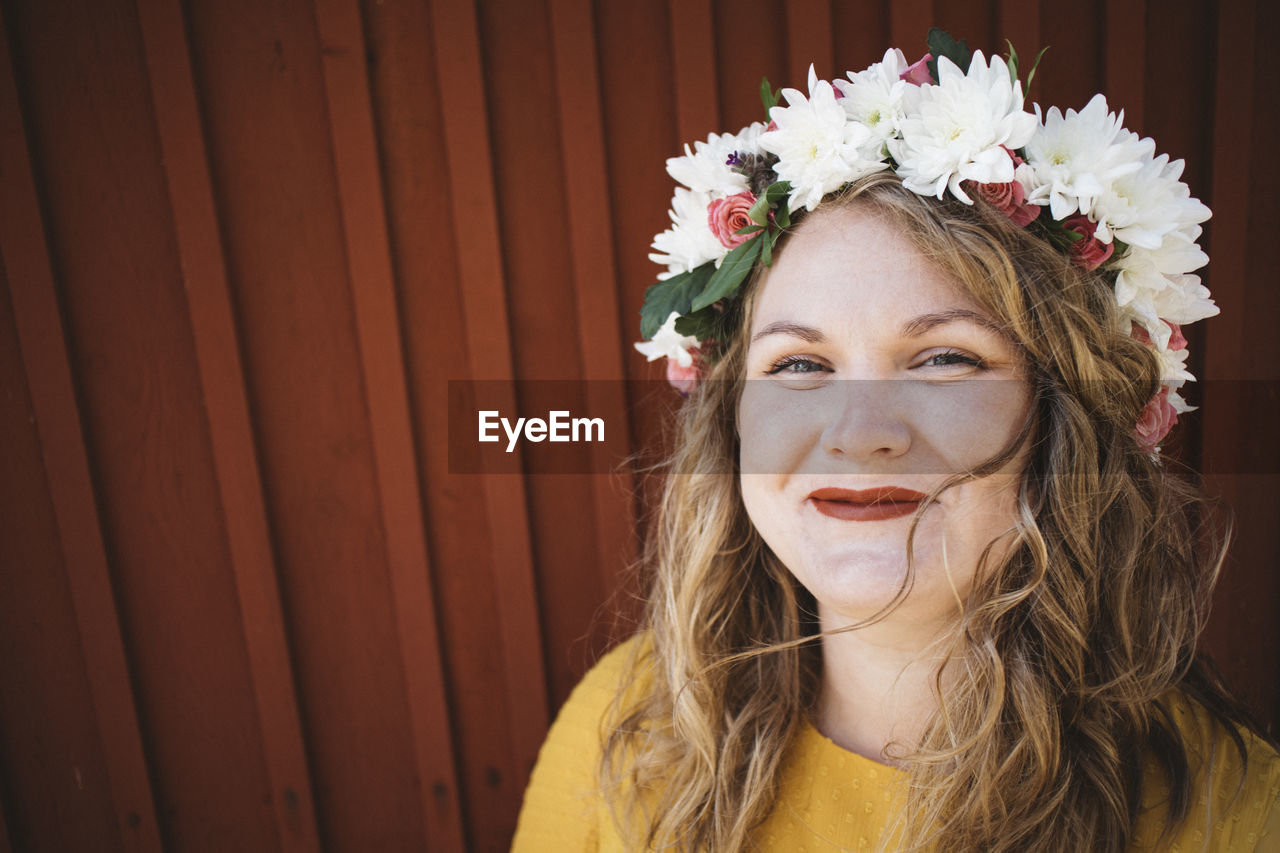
(919, 325)
(795, 330)
(912, 328)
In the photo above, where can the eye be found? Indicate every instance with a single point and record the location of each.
(794, 364)
(953, 358)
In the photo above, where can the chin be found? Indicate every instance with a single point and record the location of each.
(859, 582)
(871, 579)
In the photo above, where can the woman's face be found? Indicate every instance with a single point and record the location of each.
(871, 379)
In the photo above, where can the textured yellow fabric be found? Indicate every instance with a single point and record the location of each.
(832, 799)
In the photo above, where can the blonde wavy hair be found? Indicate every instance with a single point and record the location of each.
(1070, 640)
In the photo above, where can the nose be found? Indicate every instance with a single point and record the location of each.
(868, 422)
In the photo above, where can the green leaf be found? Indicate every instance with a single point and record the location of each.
(772, 237)
(766, 249)
(776, 195)
(749, 229)
(673, 294)
(1011, 60)
(777, 191)
(1032, 74)
(735, 267)
(702, 325)
(768, 95)
(942, 44)
(782, 218)
(759, 212)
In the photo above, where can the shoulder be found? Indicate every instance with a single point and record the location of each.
(561, 810)
(1235, 801)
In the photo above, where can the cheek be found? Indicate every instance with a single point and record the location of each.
(971, 422)
(777, 428)
(983, 513)
(775, 436)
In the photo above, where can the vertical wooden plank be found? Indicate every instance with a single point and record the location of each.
(862, 37)
(594, 273)
(1020, 24)
(763, 25)
(5, 845)
(1126, 59)
(378, 329)
(40, 334)
(1232, 136)
(809, 40)
(637, 58)
(259, 71)
(231, 436)
(472, 200)
(909, 22)
(1241, 636)
(693, 55)
(54, 785)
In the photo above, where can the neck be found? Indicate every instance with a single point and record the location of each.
(878, 686)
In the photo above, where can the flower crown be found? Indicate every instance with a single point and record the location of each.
(952, 122)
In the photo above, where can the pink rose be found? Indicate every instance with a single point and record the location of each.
(1010, 199)
(1013, 155)
(1176, 340)
(917, 74)
(727, 215)
(684, 379)
(1087, 252)
(1158, 417)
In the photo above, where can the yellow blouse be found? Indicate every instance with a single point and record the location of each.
(832, 799)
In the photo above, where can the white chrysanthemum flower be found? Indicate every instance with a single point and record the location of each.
(961, 127)
(670, 343)
(689, 242)
(704, 169)
(1143, 206)
(1075, 157)
(1152, 285)
(1176, 400)
(818, 147)
(879, 98)
(1173, 365)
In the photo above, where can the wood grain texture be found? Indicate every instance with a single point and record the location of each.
(909, 24)
(1019, 22)
(259, 71)
(809, 40)
(481, 277)
(694, 64)
(1243, 389)
(54, 783)
(378, 327)
(32, 290)
(231, 434)
(6, 846)
(601, 342)
(1126, 58)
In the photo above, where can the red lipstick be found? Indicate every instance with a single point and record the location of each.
(866, 504)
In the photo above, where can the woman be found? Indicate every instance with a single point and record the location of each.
(920, 580)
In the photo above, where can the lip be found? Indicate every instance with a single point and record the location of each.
(879, 504)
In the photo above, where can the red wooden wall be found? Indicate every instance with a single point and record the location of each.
(244, 605)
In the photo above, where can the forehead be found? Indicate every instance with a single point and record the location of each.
(853, 264)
